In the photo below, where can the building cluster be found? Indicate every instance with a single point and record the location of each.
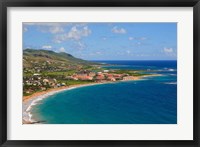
(100, 76)
(38, 82)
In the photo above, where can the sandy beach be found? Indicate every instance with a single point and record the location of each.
(29, 101)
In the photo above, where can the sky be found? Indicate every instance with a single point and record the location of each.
(105, 41)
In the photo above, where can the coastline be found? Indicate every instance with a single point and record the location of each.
(29, 101)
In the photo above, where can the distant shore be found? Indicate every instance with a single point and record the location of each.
(29, 101)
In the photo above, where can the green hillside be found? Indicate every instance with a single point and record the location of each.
(44, 69)
(32, 58)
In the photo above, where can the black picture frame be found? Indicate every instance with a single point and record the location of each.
(4, 4)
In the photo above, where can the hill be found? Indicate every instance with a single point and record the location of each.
(49, 59)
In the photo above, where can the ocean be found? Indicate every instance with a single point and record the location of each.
(152, 100)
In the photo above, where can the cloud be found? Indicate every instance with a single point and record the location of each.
(130, 38)
(46, 23)
(81, 45)
(142, 55)
(56, 29)
(53, 24)
(118, 30)
(128, 52)
(46, 27)
(78, 45)
(137, 38)
(76, 33)
(47, 47)
(62, 49)
(51, 29)
(25, 29)
(168, 50)
(98, 53)
(104, 38)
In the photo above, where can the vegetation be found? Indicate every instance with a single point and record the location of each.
(130, 72)
(44, 69)
(73, 82)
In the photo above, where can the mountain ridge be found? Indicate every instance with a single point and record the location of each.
(40, 56)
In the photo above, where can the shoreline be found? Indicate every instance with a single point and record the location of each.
(29, 101)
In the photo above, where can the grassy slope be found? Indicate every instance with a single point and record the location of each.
(32, 56)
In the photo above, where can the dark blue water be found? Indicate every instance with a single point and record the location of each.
(149, 101)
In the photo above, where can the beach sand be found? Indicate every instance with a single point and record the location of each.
(29, 101)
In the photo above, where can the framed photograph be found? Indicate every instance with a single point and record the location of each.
(104, 73)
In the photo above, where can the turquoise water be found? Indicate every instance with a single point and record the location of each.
(149, 101)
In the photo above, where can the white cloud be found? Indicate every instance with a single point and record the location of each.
(142, 55)
(137, 38)
(98, 53)
(46, 27)
(62, 49)
(60, 38)
(56, 29)
(46, 23)
(81, 45)
(51, 29)
(168, 50)
(128, 52)
(47, 47)
(130, 38)
(104, 38)
(25, 29)
(118, 30)
(76, 33)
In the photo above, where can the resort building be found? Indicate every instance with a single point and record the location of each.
(111, 79)
(100, 77)
(92, 74)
